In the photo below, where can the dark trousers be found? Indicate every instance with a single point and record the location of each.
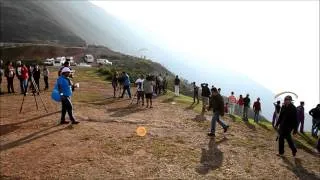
(140, 95)
(66, 107)
(286, 136)
(37, 83)
(45, 78)
(195, 96)
(22, 85)
(301, 122)
(126, 88)
(10, 85)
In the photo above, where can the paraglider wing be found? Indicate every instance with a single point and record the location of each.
(286, 92)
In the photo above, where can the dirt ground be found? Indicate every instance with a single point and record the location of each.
(105, 144)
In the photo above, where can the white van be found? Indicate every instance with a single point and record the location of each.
(89, 58)
(104, 62)
(49, 62)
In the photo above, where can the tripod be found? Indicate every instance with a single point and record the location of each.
(34, 91)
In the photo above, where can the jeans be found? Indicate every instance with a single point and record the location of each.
(314, 130)
(286, 136)
(256, 116)
(245, 113)
(124, 90)
(66, 107)
(215, 118)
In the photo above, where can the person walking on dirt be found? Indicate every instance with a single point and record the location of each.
(256, 109)
(217, 104)
(232, 100)
(114, 82)
(277, 108)
(65, 88)
(126, 84)
(205, 95)
(195, 93)
(10, 73)
(246, 106)
(315, 113)
(140, 90)
(176, 85)
(286, 124)
(46, 77)
(36, 76)
(148, 90)
(300, 116)
(240, 104)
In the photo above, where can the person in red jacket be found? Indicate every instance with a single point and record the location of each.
(240, 104)
(24, 78)
(256, 109)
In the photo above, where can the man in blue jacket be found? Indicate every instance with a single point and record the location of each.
(126, 84)
(65, 88)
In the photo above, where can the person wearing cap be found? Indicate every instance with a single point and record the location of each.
(65, 88)
(246, 106)
(256, 109)
(217, 104)
(300, 116)
(287, 123)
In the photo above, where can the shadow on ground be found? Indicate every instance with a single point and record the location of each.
(299, 170)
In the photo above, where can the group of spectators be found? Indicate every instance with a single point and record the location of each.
(28, 76)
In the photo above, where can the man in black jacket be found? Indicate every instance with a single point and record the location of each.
(287, 122)
(205, 93)
(246, 107)
(315, 113)
(217, 104)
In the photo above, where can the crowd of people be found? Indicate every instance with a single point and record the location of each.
(28, 77)
(286, 118)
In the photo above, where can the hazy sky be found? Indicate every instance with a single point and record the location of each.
(276, 43)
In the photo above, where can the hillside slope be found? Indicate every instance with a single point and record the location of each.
(105, 146)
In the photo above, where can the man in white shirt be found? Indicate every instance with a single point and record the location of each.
(140, 91)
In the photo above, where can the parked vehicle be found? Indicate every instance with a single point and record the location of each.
(104, 62)
(88, 58)
(49, 62)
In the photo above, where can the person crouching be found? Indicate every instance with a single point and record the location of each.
(65, 88)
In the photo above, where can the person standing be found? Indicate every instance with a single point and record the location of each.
(148, 85)
(315, 113)
(159, 84)
(114, 82)
(46, 77)
(126, 84)
(140, 90)
(195, 93)
(217, 104)
(240, 104)
(165, 83)
(24, 77)
(176, 85)
(19, 76)
(10, 73)
(65, 88)
(286, 124)
(246, 106)
(205, 95)
(256, 109)
(276, 113)
(36, 76)
(300, 116)
(1, 74)
(232, 100)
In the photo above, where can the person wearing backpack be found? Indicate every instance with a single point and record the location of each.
(140, 90)
(217, 105)
(10, 73)
(66, 87)
(315, 113)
